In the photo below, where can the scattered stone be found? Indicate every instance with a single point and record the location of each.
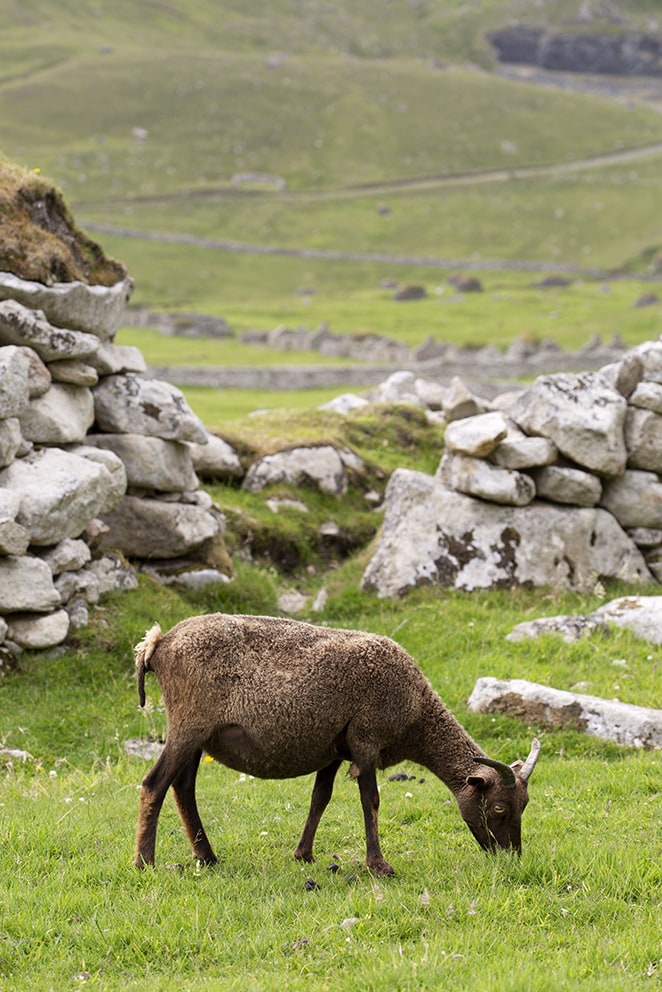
(551, 709)
(317, 465)
(137, 747)
(400, 387)
(292, 602)
(344, 404)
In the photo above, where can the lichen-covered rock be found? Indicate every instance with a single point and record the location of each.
(14, 381)
(61, 416)
(635, 499)
(77, 305)
(567, 485)
(150, 462)
(643, 437)
(152, 528)
(38, 632)
(476, 477)
(216, 459)
(21, 326)
(131, 404)
(584, 415)
(432, 534)
(319, 465)
(476, 436)
(26, 584)
(59, 493)
(547, 708)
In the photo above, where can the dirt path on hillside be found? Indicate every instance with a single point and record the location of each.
(642, 92)
(626, 156)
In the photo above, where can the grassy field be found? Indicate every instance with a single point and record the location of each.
(75, 914)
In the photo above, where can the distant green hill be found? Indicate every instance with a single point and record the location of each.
(387, 122)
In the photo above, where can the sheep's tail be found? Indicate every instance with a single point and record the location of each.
(144, 651)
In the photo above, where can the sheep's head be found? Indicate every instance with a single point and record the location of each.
(493, 799)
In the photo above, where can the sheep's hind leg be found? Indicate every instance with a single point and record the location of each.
(183, 788)
(322, 791)
(154, 787)
(370, 803)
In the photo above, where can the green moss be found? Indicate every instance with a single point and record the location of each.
(40, 240)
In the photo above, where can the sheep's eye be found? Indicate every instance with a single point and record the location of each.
(499, 809)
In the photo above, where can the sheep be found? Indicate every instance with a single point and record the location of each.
(278, 698)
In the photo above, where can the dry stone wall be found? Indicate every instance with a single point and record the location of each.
(558, 484)
(97, 462)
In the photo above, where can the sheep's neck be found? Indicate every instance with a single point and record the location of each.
(445, 747)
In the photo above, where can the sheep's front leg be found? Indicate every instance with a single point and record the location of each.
(370, 803)
(322, 791)
(183, 788)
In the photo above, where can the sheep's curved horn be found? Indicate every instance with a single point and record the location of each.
(505, 771)
(530, 762)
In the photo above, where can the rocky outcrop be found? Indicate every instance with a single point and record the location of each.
(615, 54)
(96, 458)
(541, 491)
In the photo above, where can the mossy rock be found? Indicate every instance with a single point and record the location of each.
(40, 240)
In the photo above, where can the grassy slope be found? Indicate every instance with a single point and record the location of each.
(354, 97)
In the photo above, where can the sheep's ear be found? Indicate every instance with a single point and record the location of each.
(477, 781)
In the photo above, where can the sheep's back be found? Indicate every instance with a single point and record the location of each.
(261, 671)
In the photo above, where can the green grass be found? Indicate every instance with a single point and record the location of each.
(73, 913)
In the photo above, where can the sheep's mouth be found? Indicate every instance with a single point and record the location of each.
(488, 842)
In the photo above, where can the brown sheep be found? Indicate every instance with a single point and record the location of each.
(277, 698)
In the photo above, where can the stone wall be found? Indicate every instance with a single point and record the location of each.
(556, 485)
(97, 462)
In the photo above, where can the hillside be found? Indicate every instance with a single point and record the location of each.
(389, 128)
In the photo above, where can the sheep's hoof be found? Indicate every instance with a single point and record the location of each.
(302, 855)
(140, 862)
(382, 868)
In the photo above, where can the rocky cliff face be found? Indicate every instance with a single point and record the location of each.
(611, 54)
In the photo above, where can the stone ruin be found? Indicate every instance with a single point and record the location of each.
(556, 485)
(97, 463)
